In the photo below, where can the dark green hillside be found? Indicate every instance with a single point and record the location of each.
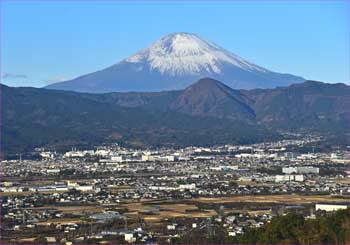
(310, 105)
(206, 113)
(39, 117)
(294, 229)
(331, 228)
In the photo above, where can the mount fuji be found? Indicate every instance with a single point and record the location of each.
(174, 62)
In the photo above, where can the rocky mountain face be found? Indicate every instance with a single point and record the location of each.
(207, 112)
(174, 62)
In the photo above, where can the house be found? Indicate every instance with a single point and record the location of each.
(50, 239)
(84, 187)
(329, 207)
(129, 237)
(171, 226)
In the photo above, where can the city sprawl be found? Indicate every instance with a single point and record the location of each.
(113, 193)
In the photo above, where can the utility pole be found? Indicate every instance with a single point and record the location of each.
(209, 227)
(125, 223)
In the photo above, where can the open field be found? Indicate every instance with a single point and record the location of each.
(290, 199)
(62, 221)
(31, 239)
(167, 211)
(79, 209)
(188, 208)
(343, 180)
(73, 209)
(157, 211)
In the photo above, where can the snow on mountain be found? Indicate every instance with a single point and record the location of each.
(174, 62)
(181, 53)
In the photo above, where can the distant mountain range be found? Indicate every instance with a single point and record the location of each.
(175, 62)
(207, 112)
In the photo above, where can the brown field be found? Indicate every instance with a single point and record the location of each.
(173, 210)
(73, 209)
(291, 199)
(167, 211)
(187, 208)
(62, 221)
(343, 181)
(30, 239)
(80, 209)
(27, 193)
(9, 194)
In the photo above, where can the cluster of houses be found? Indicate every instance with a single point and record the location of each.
(109, 176)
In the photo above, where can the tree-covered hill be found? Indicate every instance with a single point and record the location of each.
(331, 228)
(206, 113)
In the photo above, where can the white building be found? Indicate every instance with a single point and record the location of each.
(171, 226)
(187, 187)
(129, 237)
(47, 154)
(329, 207)
(117, 158)
(336, 156)
(289, 177)
(69, 154)
(171, 158)
(53, 171)
(102, 152)
(301, 170)
(84, 187)
(145, 158)
(162, 188)
(61, 188)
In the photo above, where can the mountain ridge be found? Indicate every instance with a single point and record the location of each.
(213, 114)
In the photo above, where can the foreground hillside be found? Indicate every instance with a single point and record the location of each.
(294, 229)
(207, 112)
(331, 228)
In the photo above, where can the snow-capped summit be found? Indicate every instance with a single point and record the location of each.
(174, 62)
(186, 53)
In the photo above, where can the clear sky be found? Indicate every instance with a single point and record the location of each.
(48, 41)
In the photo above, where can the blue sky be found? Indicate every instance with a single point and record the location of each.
(48, 41)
